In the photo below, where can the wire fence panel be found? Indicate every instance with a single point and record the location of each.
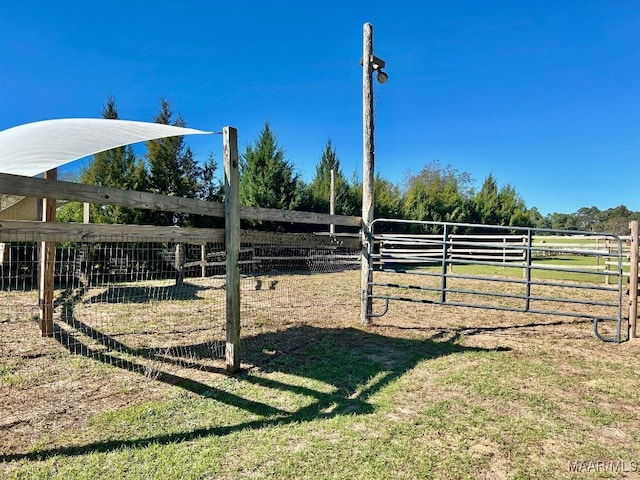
(130, 314)
(289, 286)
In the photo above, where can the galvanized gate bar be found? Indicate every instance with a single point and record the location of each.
(433, 255)
(501, 308)
(445, 245)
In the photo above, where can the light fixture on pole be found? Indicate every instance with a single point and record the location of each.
(378, 64)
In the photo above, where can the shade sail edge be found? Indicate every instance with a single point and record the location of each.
(34, 148)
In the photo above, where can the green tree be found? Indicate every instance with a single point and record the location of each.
(320, 186)
(353, 201)
(613, 220)
(266, 178)
(486, 203)
(117, 168)
(173, 169)
(493, 206)
(211, 190)
(616, 220)
(437, 194)
(563, 221)
(587, 218)
(387, 198)
(513, 211)
(387, 203)
(537, 220)
(70, 212)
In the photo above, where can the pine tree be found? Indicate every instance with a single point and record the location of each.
(211, 190)
(172, 168)
(266, 178)
(117, 168)
(320, 186)
(493, 206)
(387, 198)
(486, 203)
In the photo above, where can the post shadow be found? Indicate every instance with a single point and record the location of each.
(143, 294)
(356, 363)
(454, 334)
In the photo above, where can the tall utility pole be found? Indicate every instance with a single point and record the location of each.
(367, 170)
(369, 64)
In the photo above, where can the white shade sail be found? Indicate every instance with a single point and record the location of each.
(34, 148)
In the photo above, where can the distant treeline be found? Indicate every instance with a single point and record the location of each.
(613, 220)
(268, 179)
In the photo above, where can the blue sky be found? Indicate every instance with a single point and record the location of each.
(545, 95)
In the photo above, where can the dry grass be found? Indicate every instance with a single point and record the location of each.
(426, 391)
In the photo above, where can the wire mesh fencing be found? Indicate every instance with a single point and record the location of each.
(133, 302)
(127, 313)
(283, 286)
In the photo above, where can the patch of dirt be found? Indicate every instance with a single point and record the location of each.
(109, 353)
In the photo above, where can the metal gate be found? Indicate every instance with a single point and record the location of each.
(552, 272)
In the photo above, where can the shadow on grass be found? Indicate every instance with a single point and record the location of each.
(455, 334)
(355, 363)
(144, 294)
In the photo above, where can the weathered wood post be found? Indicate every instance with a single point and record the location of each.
(332, 199)
(203, 260)
(83, 266)
(47, 264)
(179, 264)
(367, 173)
(232, 246)
(86, 212)
(633, 279)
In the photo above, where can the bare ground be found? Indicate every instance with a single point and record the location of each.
(133, 344)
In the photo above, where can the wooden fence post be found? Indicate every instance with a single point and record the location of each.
(232, 246)
(86, 212)
(332, 199)
(179, 264)
(47, 264)
(633, 279)
(203, 260)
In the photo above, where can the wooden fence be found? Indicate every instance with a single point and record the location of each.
(48, 232)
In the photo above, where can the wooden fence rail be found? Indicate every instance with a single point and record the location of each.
(40, 187)
(53, 190)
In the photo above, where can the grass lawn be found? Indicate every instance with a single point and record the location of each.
(425, 392)
(561, 262)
